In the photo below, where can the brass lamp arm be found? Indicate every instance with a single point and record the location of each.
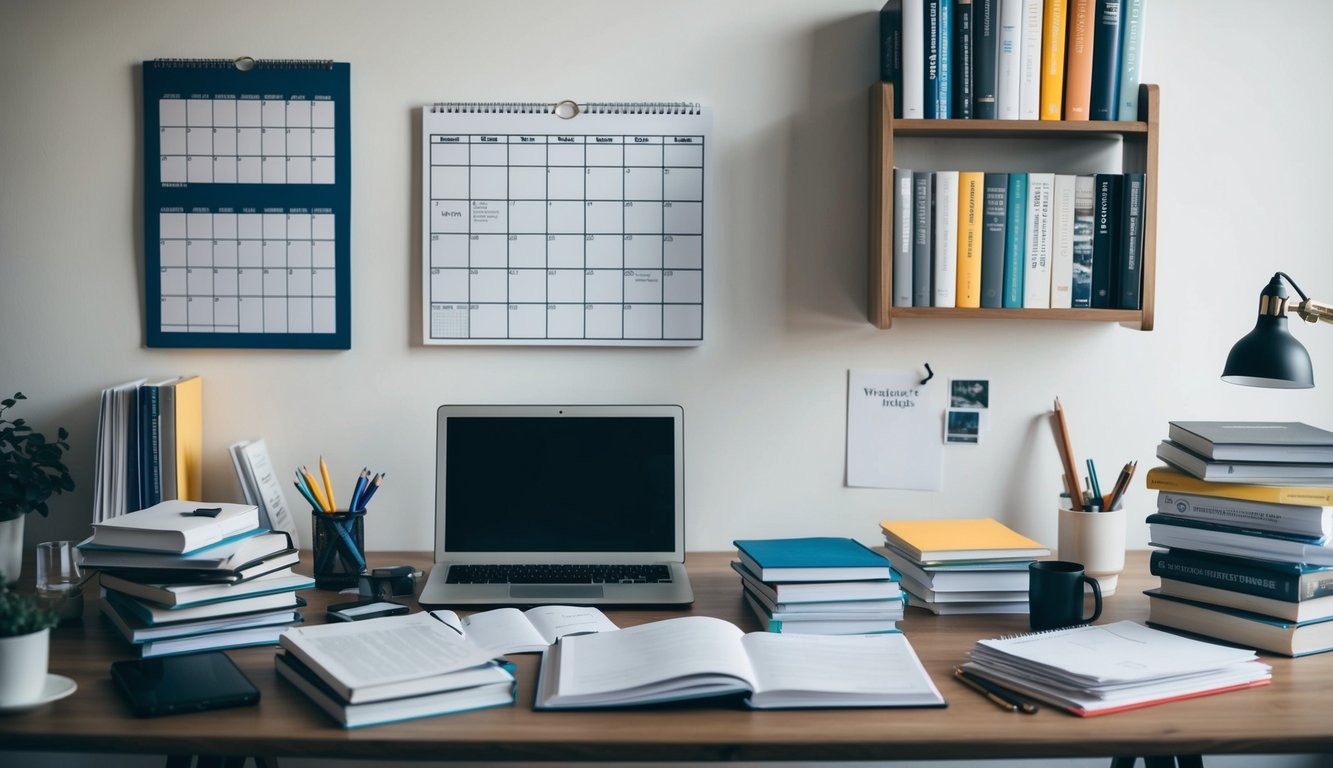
(1312, 311)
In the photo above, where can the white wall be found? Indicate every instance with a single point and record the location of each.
(1243, 193)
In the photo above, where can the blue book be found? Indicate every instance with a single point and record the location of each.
(938, 45)
(1290, 582)
(1131, 58)
(812, 559)
(891, 51)
(1253, 630)
(1200, 536)
(1015, 245)
(1105, 96)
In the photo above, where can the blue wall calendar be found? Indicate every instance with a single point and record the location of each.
(247, 203)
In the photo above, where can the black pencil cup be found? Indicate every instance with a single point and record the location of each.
(340, 546)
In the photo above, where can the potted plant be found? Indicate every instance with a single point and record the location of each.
(31, 470)
(25, 643)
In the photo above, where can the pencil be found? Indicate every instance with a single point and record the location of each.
(328, 484)
(1002, 698)
(314, 489)
(1067, 457)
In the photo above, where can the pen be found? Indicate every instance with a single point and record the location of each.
(1002, 698)
(1092, 480)
(359, 489)
(371, 487)
(328, 484)
(1121, 485)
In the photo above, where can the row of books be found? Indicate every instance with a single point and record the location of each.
(149, 445)
(1013, 59)
(963, 566)
(182, 576)
(1247, 533)
(1017, 240)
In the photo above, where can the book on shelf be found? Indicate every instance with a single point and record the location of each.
(1015, 244)
(1262, 515)
(1008, 67)
(1129, 280)
(1252, 630)
(945, 233)
(175, 526)
(227, 556)
(1290, 582)
(964, 29)
(902, 237)
(923, 196)
(1029, 60)
(789, 592)
(152, 613)
(914, 59)
(1099, 669)
(1202, 536)
(939, 59)
(1275, 441)
(930, 595)
(891, 50)
(504, 631)
(187, 439)
(700, 657)
(994, 210)
(262, 486)
(489, 685)
(1053, 38)
(1104, 98)
(1078, 59)
(985, 48)
(968, 288)
(967, 608)
(1314, 609)
(1084, 204)
(1169, 479)
(180, 595)
(1062, 241)
(1105, 231)
(821, 558)
(1253, 472)
(828, 624)
(1002, 576)
(1131, 57)
(138, 632)
(952, 540)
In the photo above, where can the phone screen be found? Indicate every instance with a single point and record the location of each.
(177, 684)
(372, 609)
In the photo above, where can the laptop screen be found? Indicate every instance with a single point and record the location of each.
(550, 479)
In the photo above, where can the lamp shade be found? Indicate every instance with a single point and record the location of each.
(1269, 356)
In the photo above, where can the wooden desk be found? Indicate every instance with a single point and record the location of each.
(1288, 716)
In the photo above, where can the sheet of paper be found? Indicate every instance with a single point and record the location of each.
(893, 430)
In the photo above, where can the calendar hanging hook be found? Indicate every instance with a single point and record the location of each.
(567, 109)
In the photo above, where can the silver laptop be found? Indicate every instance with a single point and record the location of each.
(572, 504)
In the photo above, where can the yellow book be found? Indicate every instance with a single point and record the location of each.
(1052, 59)
(1167, 479)
(968, 280)
(975, 539)
(189, 456)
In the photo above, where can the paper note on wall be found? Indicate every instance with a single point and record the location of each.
(893, 431)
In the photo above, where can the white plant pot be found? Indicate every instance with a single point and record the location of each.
(23, 663)
(11, 548)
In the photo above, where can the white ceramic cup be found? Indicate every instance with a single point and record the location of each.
(23, 663)
(1097, 540)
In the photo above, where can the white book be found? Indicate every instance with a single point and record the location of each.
(177, 526)
(834, 624)
(819, 591)
(914, 59)
(1263, 515)
(700, 656)
(902, 237)
(235, 638)
(173, 595)
(1008, 69)
(964, 596)
(967, 608)
(136, 631)
(1062, 242)
(115, 419)
(152, 613)
(246, 486)
(1037, 274)
(1314, 609)
(1029, 60)
(862, 607)
(970, 577)
(508, 630)
(945, 258)
(268, 487)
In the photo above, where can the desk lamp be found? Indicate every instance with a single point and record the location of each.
(1269, 356)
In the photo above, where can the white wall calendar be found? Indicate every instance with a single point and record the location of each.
(564, 224)
(247, 203)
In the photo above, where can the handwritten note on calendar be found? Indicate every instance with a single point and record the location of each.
(553, 224)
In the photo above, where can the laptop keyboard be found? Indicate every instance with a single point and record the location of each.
(558, 574)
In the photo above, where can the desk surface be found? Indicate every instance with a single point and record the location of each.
(1287, 716)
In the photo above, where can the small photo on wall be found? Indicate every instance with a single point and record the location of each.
(969, 393)
(962, 426)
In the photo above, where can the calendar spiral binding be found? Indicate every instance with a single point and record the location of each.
(550, 108)
(242, 63)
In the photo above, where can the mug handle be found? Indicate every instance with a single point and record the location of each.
(1096, 598)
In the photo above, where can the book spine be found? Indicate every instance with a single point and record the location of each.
(1084, 205)
(944, 94)
(1237, 575)
(1105, 92)
(891, 51)
(1062, 242)
(150, 448)
(1007, 59)
(1029, 61)
(1130, 242)
(1165, 479)
(931, 45)
(1131, 58)
(914, 58)
(1291, 518)
(902, 237)
(1243, 531)
(994, 210)
(1104, 231)
(964, 25)
(1078, 59)
(968, 291)
(985, 46)
(946, 238)
(1015, 246)
(1037, 276)
(1053, 59)
(922, 242)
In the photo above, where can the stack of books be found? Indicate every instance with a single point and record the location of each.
(390, 669)
(819, 586)
(1245, 514)
(962, 566)
(182, 576)
(150, 438)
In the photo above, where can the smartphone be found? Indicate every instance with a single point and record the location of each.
(365, 609)
(171, 685)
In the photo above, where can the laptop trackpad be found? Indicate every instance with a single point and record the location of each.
(548, 591)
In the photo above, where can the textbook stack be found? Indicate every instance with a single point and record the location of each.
(819, 586)
(182, 576)
(962, 566)
(1245, 514)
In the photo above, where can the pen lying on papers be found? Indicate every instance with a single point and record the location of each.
(1000, 697)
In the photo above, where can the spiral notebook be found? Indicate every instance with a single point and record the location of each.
(564, 223)
(247, 203)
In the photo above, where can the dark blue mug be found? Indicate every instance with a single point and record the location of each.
(1055, 595)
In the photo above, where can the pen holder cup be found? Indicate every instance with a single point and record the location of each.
(340, 545)
(1097, 540)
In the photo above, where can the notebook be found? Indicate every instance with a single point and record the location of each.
(545, 504)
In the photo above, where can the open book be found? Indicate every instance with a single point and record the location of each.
(699, 656)
(509, 630)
